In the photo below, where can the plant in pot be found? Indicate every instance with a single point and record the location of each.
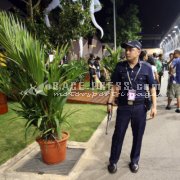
(41, 88)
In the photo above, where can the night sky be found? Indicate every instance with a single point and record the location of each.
(156, 16)
(157, 12)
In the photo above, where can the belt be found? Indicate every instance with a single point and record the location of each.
(134, 103)
(139, 102)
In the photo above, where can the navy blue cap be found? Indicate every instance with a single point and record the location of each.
(133, 44)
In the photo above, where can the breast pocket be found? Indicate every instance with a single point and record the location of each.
(124, 77)
(142, 78)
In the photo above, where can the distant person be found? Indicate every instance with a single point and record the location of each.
(97, 65)
(162, 62)
(159, 67)
(143, 56)
(92, 70)
(154, 70)
(171, 57)
(170, 88)
(175, 72)
(97, 76)
(155, 56)
(103, 75)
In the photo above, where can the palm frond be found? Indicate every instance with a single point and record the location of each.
(28, 73)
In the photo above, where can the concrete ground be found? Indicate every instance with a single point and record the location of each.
(160, 155)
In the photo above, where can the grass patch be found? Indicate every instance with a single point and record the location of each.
(83, 124)
(12, 138)
(85, 121)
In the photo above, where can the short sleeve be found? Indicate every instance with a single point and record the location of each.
(174, 63)
(155, 69)
(150, 77)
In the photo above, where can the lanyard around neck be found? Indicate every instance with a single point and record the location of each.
(135, 76)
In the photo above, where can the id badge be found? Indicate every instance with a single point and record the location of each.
(131, 95)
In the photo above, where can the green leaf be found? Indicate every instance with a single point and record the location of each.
(39, 122)
(58, 128)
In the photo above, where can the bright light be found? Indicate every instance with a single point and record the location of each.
(174, 31)
(175, 27)
(169, 35)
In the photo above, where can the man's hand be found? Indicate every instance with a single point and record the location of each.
(153, 112)
(109, 108)
(154, 102)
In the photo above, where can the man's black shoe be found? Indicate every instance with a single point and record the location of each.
(168, 108)
(177, 111)
(112, 168)
(133, 167)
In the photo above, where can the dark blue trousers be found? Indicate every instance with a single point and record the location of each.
(137, 115)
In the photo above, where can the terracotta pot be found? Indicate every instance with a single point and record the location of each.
(3, 104)
(53, 152)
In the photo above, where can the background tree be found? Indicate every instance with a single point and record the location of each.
(129, 26)
(127, 21)
(66, 24)
(31, 8)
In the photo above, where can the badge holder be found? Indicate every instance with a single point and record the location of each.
(132, 92)
(131, 96)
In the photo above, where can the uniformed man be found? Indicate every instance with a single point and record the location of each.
(131, 77)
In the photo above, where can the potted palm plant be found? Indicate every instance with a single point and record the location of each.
(41, 87)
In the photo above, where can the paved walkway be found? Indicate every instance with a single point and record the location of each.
(160, 156)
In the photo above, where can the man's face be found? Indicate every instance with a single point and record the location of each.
(155, 55)
(176, 55)
(171, 56)
(146, 57)
(132, 53)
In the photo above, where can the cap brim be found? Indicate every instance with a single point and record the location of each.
(125, 45)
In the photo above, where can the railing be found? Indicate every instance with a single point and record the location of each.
(172, 39)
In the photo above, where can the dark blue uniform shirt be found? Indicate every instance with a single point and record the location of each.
(144, 79)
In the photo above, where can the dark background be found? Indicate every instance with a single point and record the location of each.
(156, 16)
